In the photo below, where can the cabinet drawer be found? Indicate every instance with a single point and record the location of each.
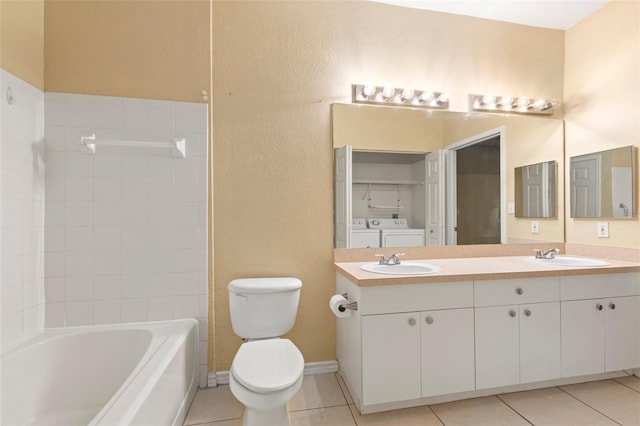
(415, 297)
(599, 286)
(513, 292)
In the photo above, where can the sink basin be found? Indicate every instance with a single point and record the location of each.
(405, 268)
(571, 261)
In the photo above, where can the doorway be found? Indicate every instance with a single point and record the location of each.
(475, 190)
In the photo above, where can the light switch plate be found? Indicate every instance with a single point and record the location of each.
(511, 208)
(603, 230)
(535, 227)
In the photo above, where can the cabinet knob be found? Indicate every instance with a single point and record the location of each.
(519, 290)
(527, 312)
(612, 305)
(599, 307)
(512, 313)
(429, 320)
(412, 322)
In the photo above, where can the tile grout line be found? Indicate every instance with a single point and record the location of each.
(627, 386)
(587, 405)
(435, 414)
(514, 410)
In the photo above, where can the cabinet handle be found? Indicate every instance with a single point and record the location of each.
(519, 290)
(599, 307)
(429, 320)
(412, 322)
(527, 312)
(512, 313)
(612, 305)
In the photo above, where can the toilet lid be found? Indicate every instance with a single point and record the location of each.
(267, 365)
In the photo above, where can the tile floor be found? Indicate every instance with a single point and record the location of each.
(324, 401)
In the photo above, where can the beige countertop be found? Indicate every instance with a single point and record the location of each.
(478, 268)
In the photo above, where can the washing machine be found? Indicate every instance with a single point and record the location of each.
(396, 233)
(363, 237)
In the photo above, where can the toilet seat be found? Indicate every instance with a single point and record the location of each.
(270, 365)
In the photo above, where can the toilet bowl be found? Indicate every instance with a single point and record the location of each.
(264, 375)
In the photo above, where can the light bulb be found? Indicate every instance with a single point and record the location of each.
(426, 96)
(407, 94)
(369, 90)
(388, 92)
(443, 98)
(539, 103)
(523, 101)
(488, 99)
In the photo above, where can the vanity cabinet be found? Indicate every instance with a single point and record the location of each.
(517, 342)
(599, 333)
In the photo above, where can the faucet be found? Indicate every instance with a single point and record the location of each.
(550, 254)
(392, 260)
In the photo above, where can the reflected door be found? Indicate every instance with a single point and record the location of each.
(585, 187)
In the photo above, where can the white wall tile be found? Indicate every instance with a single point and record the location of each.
(11, 330)
(187, 190)
(107, 189)
(135, 119)
(55, 139)
(108, 112)
(78, 313)
(189, 283)
(79, 213)
(78, 263)
(161, 121)
(160, 308)
(78, 238)
(54, 314)
(135, 165)
(11, 271)
(55, 113)
(186, 118)
(135, 213)
(134, 310)
(79, 113)
(107, 213)
(107, 286)
(161, 214)
(161, 260)
(54, 289)
(106, 238)
(134, 261)
(106, 311)
(135, 189)
(11, 300)
(108, 164)
(107, 262)
(55, 188)
(54, 264)
(186, 307)
(79, 164)
(78, 288)
(135, 238)
(78, 188)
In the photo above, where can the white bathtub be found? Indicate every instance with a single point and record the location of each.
(128, 374)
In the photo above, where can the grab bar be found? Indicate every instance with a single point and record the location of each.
(89, 142)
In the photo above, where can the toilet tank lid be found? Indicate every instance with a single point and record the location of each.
(264, 285)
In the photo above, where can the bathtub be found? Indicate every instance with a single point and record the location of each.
(126, 374)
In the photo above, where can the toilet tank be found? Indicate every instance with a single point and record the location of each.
(263, 307)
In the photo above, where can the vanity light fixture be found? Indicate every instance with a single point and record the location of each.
(386, 95)
(509, 104)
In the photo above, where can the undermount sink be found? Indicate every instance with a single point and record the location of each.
(404, 268)
(571, 261)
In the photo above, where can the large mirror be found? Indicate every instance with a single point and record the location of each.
(478, 154)
(535, 186)
(602, 184)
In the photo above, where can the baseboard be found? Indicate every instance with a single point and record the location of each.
(310, 368)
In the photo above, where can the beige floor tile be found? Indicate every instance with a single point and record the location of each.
(331, 416)
(611, 398)
(630, 381)
(234, 422)
(317, 391)
(214, 404)
(488, 411)
(553, 407)
(417, 416)
(344, 388)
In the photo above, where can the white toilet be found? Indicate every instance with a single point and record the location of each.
(266, 371)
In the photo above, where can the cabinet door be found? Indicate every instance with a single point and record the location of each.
(539, 342)
(391, 358)
(582, 334)
(622, 333)
(447, 351)
(497, 347)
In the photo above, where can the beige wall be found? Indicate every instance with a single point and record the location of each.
(22, 40)
(278, 66)
(137, 49)
(602, 103)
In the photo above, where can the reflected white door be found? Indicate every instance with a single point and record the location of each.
(585, 187)
(343, 182)
(435, 190)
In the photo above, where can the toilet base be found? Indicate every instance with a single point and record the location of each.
(275, 417)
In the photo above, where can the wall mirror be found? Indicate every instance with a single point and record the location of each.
(602, 184)
(419, 141)
(535, 190)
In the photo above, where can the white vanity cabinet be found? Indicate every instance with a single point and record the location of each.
(518, 342)
(600, 323)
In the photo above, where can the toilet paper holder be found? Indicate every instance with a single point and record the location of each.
(351, 305)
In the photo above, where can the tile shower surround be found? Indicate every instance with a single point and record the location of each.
(21, 209)
(125, 229)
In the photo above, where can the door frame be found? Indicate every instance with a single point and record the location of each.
(451, 237)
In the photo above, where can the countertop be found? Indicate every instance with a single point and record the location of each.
(479, 268)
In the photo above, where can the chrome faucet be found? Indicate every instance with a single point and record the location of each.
(548, 254)
(392, 260)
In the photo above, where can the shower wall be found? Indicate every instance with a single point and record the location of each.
(125, 228)
(21, 208)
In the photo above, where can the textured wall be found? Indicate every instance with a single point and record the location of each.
(277, 68)
(22, 40)
(602, 103)
(138, 49)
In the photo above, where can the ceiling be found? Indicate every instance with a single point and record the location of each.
(555, 14)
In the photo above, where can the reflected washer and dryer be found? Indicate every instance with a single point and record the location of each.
(363, 237)
(396, 233)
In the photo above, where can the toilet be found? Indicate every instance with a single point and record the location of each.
(266, 372)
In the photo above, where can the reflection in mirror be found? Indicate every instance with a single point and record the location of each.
(602, 184)
(535, 189)
(414, 144)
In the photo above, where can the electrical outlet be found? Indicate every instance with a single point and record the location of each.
(603, 230)
(511, 208)
(535, 227)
